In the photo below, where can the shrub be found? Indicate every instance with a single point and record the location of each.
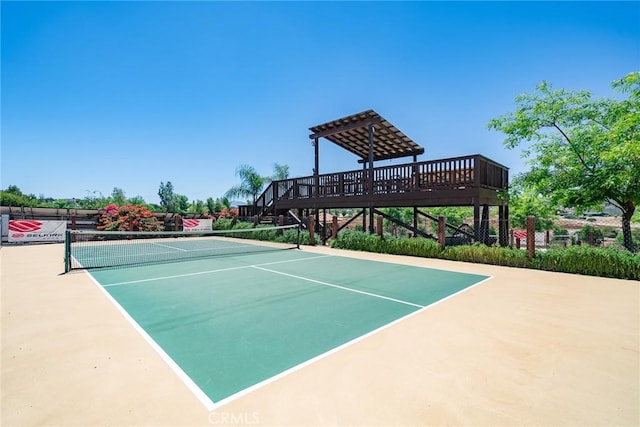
(487, 255)
(128, 218)
(223, 224)
(228, 213)
(584, 232)
(559, 231)
(604, 262)
(357, 240)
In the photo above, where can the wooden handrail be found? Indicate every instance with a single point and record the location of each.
(452, 173)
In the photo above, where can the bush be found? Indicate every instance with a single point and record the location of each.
(559, 231)
(223, 224)
(128, 218)
(486, 255)
(610, 232)
(603, 262)
(584, 232)
(357, 240)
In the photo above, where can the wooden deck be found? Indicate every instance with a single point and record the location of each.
(462, 181)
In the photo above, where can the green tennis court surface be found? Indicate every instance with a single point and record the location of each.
(231, 323)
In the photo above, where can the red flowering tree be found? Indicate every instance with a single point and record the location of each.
(128, 218)
(228, 213)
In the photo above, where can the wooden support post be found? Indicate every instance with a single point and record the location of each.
(591, 240)
(334, 227)
(531, 236)
(281, 220)
(73, 222)
(324, 226)
(256, 220)
(364, 219)
(312, 230)
(476, 221)
(379, 225)
(503, 226)
(371, 230)
(177, 222)
(442, 226)
(316, 167)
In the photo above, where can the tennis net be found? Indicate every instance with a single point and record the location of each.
(95, 249)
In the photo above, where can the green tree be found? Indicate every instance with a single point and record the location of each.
(198, 206)
(401, 214)
(118, 197)
(13, 189)
(583, 151)
(251, 183)
(182, 203)
(137, 200)
(167, 197)
(456, 216)
(213, 206)
(93, 200)
(12, 196)
(225, 202)
(525, 201)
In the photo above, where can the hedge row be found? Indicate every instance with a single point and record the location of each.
(602, 262)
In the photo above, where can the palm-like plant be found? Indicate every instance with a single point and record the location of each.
(251, 183)
(280, 172)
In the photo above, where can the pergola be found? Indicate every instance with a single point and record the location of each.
(370, 137)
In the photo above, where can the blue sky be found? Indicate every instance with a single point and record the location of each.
(97, 95)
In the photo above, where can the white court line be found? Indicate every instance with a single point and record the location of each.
(199, 393)
(153, 279)
(344, 288)
(169, 246)
(328, 353)
(186, 379)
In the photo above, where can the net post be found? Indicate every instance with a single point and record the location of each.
(67, 251)
(298, 237)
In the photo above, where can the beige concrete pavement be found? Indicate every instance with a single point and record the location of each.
(524, 348)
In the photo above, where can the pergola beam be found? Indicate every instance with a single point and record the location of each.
(344, 128)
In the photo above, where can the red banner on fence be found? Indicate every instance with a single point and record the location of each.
(21, 230)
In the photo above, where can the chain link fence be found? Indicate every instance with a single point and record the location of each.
(597, 229)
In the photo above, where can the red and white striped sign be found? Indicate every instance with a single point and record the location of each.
(204, 224)
(21, 230)
(517, 234)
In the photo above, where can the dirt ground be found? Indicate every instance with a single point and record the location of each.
(524, 348)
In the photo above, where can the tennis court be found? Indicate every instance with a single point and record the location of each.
(230, 323)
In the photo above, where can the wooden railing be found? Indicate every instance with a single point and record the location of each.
(453, 174)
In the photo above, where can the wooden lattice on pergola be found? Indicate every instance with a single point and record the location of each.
(369, 136)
